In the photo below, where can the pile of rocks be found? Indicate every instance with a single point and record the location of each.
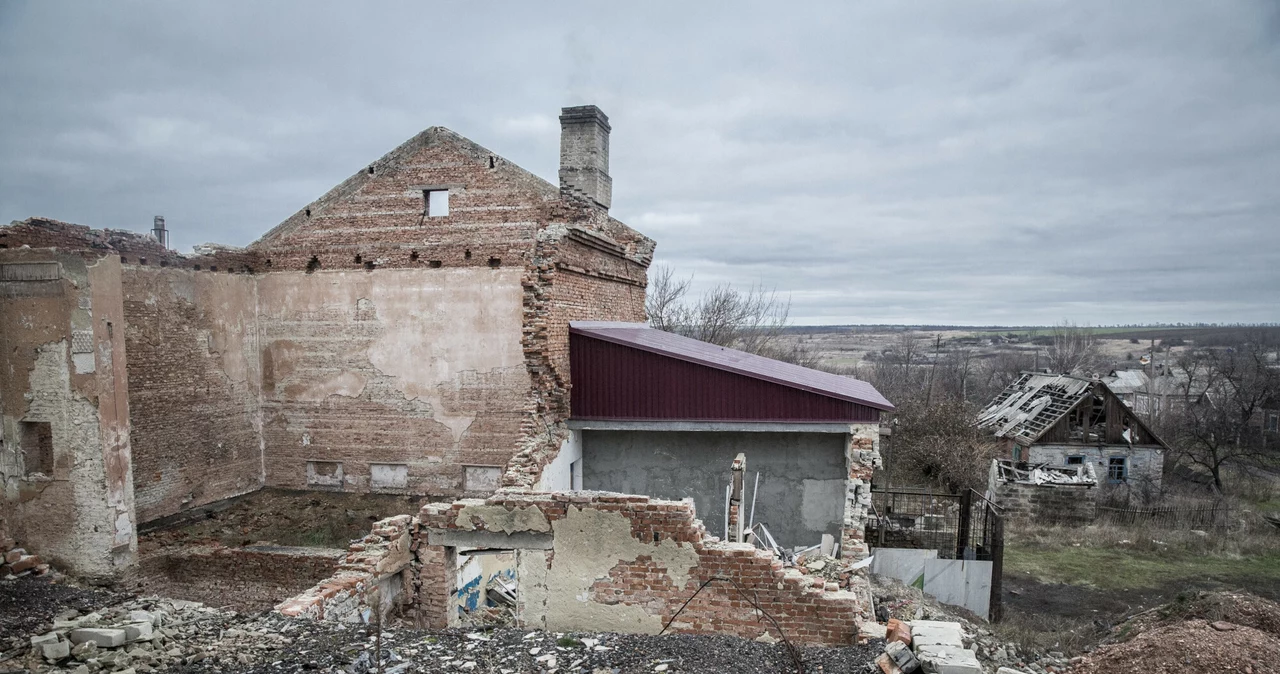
(137, 636)
(16, 562)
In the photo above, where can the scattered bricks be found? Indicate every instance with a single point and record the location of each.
(887, 665)
(24, 563)
(870, 630)
(898, 631)
(102, 637)
(14, 555)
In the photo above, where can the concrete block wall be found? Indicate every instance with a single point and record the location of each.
(1049, 504)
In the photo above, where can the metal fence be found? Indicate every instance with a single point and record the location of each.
(1215, 516)
(958, 526)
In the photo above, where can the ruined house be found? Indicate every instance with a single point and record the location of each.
(407, 332)
(1064, 420)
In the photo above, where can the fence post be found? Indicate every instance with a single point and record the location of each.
(966, 515)
(996, 610)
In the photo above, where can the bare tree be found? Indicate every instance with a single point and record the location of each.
(1225, 390)
(1074, 349)
(753, 320)
(940, 443)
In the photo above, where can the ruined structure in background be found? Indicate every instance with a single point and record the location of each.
(1069, 421)
(1049, 494)
(409, 332)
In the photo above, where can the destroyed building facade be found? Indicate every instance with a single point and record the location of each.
(410, 332)
(1062, 420)
(405, 332)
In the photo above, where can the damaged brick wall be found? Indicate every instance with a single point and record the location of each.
(64, 436)
(628, 563)
(374, 574)
(862, 458)
(194, 374)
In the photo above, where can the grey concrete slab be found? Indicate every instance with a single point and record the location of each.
(964, 583)
(905, 564)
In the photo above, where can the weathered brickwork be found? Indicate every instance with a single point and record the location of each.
(367, 343)
(372, 575)
(191, 340)
(383, 367)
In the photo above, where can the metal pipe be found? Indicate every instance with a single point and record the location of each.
(754, 492)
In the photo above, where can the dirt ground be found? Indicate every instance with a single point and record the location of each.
(281, 517)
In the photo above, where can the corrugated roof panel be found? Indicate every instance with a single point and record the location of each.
(642, 337)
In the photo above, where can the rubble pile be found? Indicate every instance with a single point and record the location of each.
(902, 607)
(137, 635)
(16, 562)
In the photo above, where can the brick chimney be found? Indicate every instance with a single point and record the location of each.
(584, 154)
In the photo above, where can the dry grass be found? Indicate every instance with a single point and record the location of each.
(1042, 632)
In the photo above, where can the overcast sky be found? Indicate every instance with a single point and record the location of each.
(899, 162)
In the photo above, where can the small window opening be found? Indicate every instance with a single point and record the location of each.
(313, 264)
(308, 212)
(1075, 460)
(370, 170)
(466, 254)
(268, 262)
(359, 259)
(435, 203)
(164, 263)
(491, 161)
(495, 262)
(197, 267)
(413, 256)
(142, 260)
(36, 443)
(213, 267)
(1117, 469)
(368, 266)
(435, 264)
(248, 270)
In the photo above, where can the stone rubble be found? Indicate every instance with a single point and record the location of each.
(15, 561)
(149, 634)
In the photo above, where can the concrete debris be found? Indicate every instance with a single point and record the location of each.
(191, 638)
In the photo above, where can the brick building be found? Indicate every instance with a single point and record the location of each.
(406, 332)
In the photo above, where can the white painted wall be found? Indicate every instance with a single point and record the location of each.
(558, 475)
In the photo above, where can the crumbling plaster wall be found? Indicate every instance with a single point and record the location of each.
(194, 371)
(628, 563)
(62, 363)
(419, 367)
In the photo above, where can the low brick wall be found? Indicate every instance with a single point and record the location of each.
(628, 563)
(251, 578)
(373, 573)
(1051, 504)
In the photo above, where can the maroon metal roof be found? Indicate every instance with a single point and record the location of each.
(654, 374)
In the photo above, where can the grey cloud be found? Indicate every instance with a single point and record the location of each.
(977, 162)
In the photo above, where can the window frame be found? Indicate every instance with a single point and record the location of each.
(1123, 465)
